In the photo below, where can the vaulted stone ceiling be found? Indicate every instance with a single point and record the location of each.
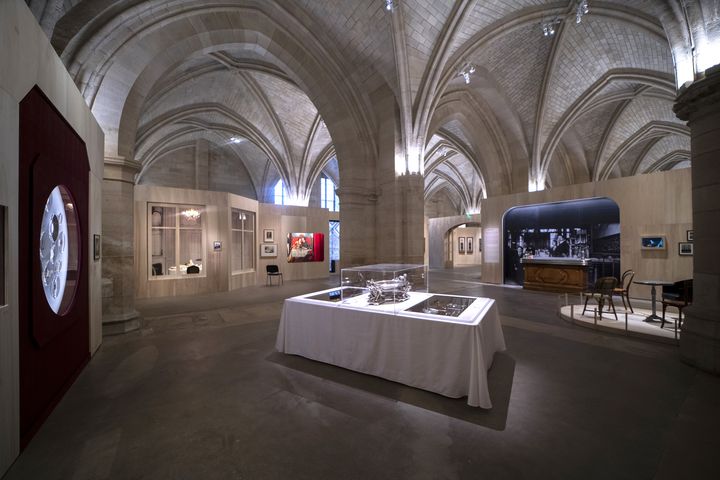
(297, 82)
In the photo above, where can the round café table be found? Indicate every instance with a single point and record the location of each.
(653, 283)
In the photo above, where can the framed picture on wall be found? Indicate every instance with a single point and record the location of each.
(689, 235)
(268, 235)
(685, 249)
(469, 245)
(461, 245)
(217, 245)
(655, 242)
(268, 250)
(96, 246)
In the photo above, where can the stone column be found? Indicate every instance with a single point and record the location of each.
(118, 246)
(699, 104)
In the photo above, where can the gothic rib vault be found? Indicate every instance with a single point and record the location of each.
(301, 84)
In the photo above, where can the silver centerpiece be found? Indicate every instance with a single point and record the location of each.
(384, 291)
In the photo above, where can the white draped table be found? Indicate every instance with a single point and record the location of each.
(445, 355)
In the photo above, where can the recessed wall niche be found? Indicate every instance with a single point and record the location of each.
(2, 254)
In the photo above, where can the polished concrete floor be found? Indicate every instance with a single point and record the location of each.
(200, 393)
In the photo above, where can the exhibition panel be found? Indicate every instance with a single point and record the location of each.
(440, 343)
(561, 246)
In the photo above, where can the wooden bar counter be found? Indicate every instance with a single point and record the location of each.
(551, 274)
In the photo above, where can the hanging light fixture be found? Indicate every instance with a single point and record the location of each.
(390, 5)
(548, 28)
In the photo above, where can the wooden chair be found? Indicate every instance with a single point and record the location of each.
(273, 271)
(602, 291)
(678, 295)
(624, 289)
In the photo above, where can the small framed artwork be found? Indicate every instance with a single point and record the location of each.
(656, 242)
(469, 245)
(689, 235)
(461, 245)
(96, 246)
(217, 246)
(685, 249)
(268, 250)
(268, 235)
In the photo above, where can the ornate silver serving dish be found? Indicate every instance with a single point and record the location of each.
(384, 291)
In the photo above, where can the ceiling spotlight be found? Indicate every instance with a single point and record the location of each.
(390, 5)
(235, 140)
(582, 9)
(465, 72)
(548, 28)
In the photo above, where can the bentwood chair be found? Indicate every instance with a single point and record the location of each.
(602, 291)
(678, 295)
(273, 271)
(623, 290)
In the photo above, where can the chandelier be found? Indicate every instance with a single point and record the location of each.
(191, 214)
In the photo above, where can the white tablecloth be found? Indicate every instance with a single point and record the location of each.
(445, 355)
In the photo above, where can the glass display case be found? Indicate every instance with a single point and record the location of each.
(381, 284)
(443, 305)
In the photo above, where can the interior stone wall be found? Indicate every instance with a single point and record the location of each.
(201, 166)
(28, 59)
(653, 204)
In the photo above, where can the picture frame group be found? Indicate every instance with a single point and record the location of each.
(465, 245)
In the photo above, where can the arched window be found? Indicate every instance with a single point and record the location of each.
(328, 199)
(280, 193)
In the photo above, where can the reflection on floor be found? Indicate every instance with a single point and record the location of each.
(632, 323)
(200, 393)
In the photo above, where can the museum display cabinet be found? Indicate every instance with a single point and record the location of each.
(385, 283)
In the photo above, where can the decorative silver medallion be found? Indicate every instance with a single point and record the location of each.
(54, 249)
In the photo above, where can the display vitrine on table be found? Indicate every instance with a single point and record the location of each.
(441, 354)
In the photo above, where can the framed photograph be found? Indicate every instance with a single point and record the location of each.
(654, 242)
(217, 246)
(96, 246)
(689, 235)
(268, 250)
(268, 235)
(685, 249)
(469, 245)
(461, 245)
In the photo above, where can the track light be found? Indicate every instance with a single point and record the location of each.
(582, 9)
(465, 72)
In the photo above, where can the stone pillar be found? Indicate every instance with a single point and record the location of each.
(699, 104)
(118, 246)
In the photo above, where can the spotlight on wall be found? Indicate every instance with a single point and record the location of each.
(390, 5)
(582, 9)
(465, 72)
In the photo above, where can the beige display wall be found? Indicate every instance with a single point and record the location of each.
(466, 259)
(285, 219)
(27, 60)
(217, 275)
(654, 204)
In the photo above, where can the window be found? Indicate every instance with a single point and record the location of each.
(280, 193)
(177, 240)
(328, 199)
(334, 240)
(243, 240)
